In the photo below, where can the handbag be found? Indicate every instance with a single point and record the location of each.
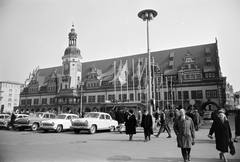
(231, 147)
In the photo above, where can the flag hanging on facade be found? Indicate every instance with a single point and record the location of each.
(109, 72)
(118, 72)
(123, 74)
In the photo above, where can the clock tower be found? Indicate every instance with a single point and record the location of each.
(71, 62)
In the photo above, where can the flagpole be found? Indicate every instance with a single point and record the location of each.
(134, 97)
(158, 92)
(162, 90)
(127, 77)
(115, 91)
(154, 83)
(167, 90)
(139, 80)
(171, 91)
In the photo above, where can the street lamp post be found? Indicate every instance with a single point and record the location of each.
(80, 113)
(181, 88)
(147, 15)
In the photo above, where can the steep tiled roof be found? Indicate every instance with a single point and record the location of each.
(161, 57)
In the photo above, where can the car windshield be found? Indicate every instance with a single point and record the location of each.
(92, 115)
(61, 117)
(39, 115)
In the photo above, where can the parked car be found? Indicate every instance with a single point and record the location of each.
(4, 121)
(94, 121)
(33, 122)
(60, 123)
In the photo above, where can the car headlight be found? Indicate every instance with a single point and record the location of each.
(53, 123)
(86, 122)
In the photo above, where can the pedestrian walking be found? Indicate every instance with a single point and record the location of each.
(184, 129)
(131, 124)
(237, 125)
(164, 124)
(13, 117)
(147, 124)
(223, 135)
(196, 119)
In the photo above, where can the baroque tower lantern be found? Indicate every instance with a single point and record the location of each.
(72, 66)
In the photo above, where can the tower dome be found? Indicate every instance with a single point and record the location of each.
(72, 47)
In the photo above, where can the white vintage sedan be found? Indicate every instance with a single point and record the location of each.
(60, 123)
(94, 121)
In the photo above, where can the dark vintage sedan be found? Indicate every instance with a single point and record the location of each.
(33, 122)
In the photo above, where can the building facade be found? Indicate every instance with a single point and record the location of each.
(189, 76)
(9, 95)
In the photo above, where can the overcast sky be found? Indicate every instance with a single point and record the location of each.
(35, 32)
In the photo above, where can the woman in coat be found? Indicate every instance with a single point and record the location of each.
(131, 124)
(185, 132)
(223, 134)
(147, 124)
(237, 125)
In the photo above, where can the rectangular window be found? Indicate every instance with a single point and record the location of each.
(120, 97)
(194, 94)
(187, 77)
(84, 99)
(9, 104)
(124, 96)
(9, 100)
(93, 98)
(192, 66)
(35, 101)
(179, 95)
(214, 94)
(52, 100)
(185, 95)
(29, 101)
(213, 75)
(44, 100)
(100, 98)
(10, 90)
(206, 75)
(10, 95)
(199, 94)
(131, 97)
(138, 97)
(89, 99)
(23, 102)
(192, 76)
(208, 94)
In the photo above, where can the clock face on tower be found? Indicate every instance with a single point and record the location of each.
(66, 66)
(66, 70)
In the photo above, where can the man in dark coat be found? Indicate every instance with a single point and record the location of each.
(13, 117)
(223, 134)
(147, 124)
(237, 125)
(184, 129)
(196, 119)
(131, 124)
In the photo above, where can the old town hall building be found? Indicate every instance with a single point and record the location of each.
(182, 76)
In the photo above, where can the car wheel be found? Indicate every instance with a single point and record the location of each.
(77, 131)
(93, 129)
(112, 128)
(46, 131)
(59, 128)
(34, 127)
